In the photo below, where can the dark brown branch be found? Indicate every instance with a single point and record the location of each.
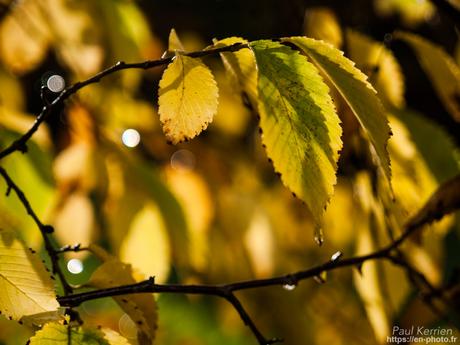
(21, 143)
(391, 252)
(44, 229)
(74, 248)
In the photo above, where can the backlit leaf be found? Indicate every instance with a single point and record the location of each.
(356, 90)
(24, 37)
(141, 308)
(174, 42)
(25, 285)
(368, 279)
(301, 129)
(440, 67)
(321, 23)
(241, 67)
(187, 98)
(412, 12)
(379, 64)
(146, 244)
(58, 334)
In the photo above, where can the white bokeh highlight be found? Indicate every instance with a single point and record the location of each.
(75, 266)
(55, 83)
(131, 138)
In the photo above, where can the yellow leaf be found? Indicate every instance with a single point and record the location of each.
(141, 308)
(25, 285)
(412, 12)
(114, 338)
(146, 244)
(187, 98)
(74, 220)
(241, 68)
(24, 37)
(195, 198)
(260, 244)
(321, 23)
(58, 334)
(380, 64)
(367, 282)
(440, 67)
(174, 42)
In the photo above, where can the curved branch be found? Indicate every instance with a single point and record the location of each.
(21, 143)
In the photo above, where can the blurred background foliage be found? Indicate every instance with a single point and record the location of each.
(212, 210)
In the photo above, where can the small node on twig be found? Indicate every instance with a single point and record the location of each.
(274, 341)
(48, 229)
(22, 147)
(8, 190)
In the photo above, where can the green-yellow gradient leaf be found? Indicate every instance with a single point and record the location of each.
(301, 130)
(379, 64)
(141, 308)
(58, 334)
(187, 98)
(26, 287)
(440, 67)
(356, 90)
(241, 67)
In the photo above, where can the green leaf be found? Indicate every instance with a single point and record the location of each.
(440, 68)
(57, 334)
(141, 308)
(187, 98)
(356, 90)
(26, 286)
(301, 129)
(241, 67)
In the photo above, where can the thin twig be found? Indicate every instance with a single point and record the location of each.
(44, 229)
(20, 144)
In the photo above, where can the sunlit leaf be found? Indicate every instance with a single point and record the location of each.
(379, 64)
(75, 36)
(146, 244)
(195, 198)
(57, 334)
(440, 67)
(146, 180)
(301, 130)
(187, 98)
(259, 241)
(368, 280)
(24, 37)
(241, 68)
(232, 115)
(174, 42)
(141, 308)
(321, 23)
(357, 92)
(439, 153)
(114, 338)
(74, 220)
(412, 12)
(25, 285)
